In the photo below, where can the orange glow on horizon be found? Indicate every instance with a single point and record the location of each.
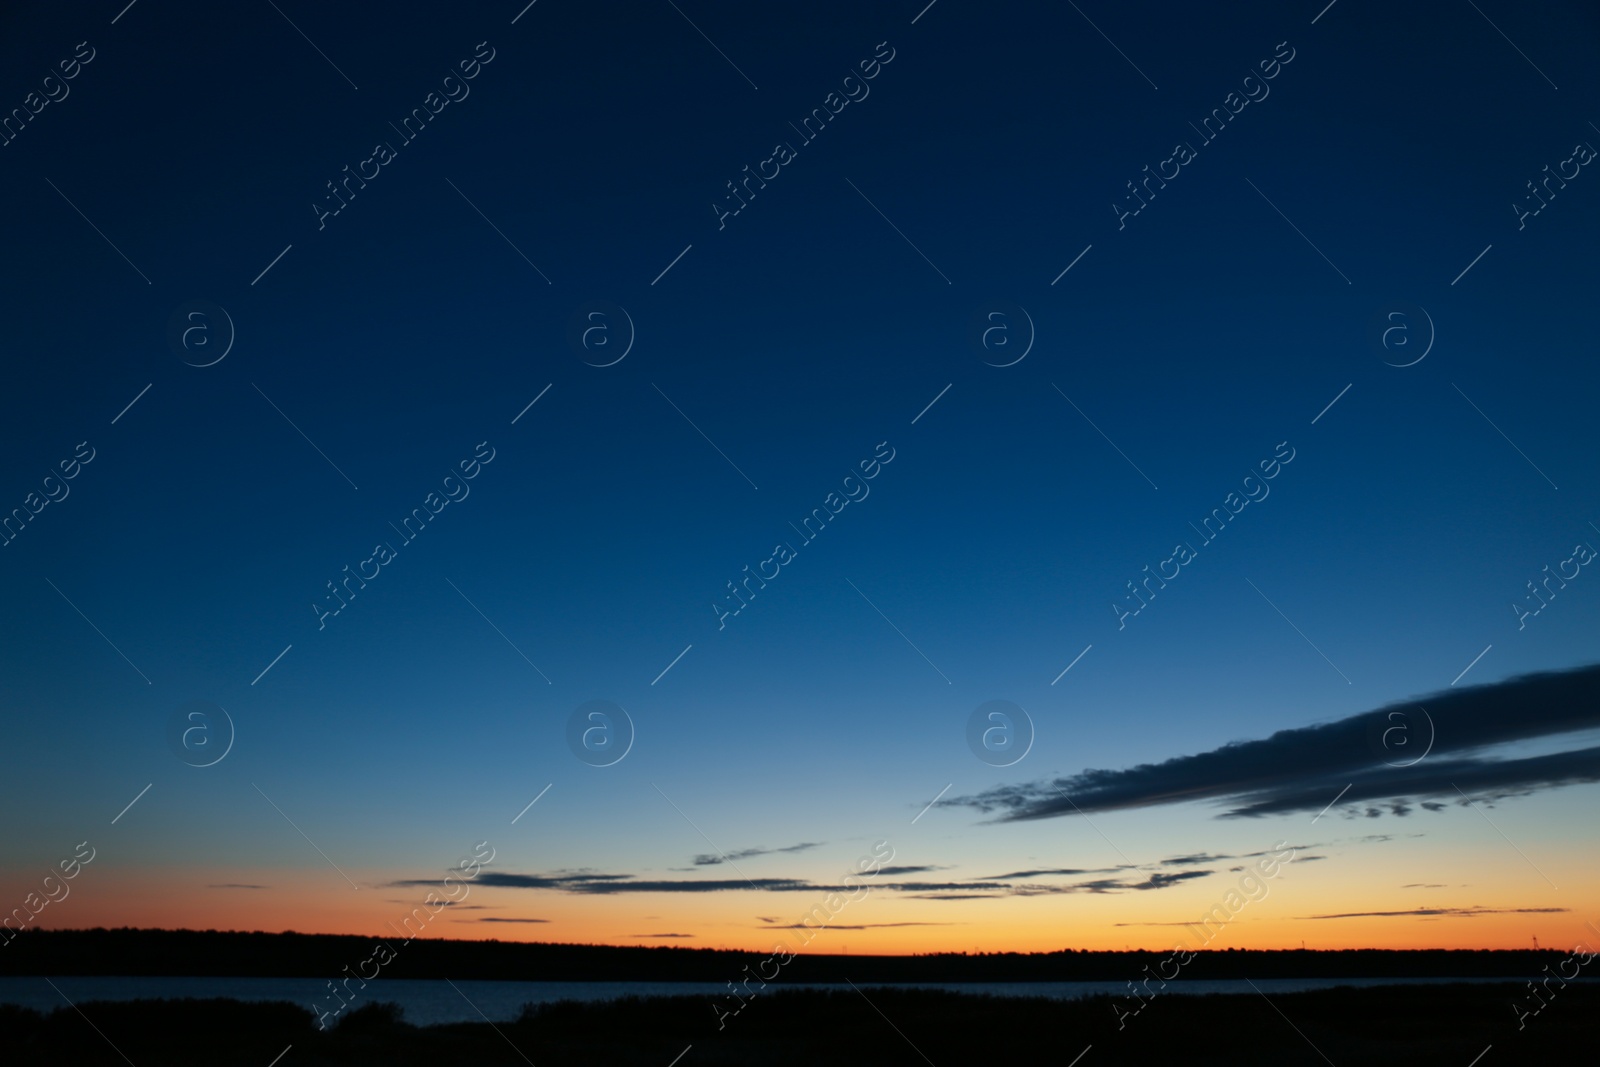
(1470, 907)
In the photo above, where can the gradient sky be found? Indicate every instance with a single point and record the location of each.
(768, 359)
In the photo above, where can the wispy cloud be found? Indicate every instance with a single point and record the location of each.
(1198, 857)
(855, 926)
(1070, 872)
(1466, 913)
(711, 859)
(1300, 769)
(985, 889)
(600, 884)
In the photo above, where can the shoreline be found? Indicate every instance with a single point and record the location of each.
(1435, 1023)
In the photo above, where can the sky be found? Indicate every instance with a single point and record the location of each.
(1212, 387)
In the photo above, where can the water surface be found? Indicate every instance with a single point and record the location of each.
(430, 1001)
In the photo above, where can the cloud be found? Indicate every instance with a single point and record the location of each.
(1158, 880)
(1300, 769)
(934, 887)
(660, 935)
(498, 919)
(1161, 881)
(1452, 912)
(1198, 857)
(237, 885)
(859, 926)
(593, 883)
(1210, 857)
(989, 890)
(1072, 872)
(707, 859)
(1171, 861)
(557, 880)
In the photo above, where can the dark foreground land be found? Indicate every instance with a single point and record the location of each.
(191, 953)
(1416, 1025)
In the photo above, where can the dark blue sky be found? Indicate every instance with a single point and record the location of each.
(779, 350)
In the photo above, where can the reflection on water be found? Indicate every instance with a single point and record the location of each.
(428, 1002)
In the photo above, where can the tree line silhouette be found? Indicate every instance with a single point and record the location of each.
(128, 951)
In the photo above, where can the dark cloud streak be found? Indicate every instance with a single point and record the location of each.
(1465, 913)
(709, 859)
(1302, 769)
